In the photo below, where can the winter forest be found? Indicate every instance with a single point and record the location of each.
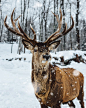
(16, 88)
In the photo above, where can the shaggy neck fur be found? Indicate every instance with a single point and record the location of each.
(39, 66)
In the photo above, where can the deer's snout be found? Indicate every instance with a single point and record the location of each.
(46, 56)
(40, 92)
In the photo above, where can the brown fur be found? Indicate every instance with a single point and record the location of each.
(63, 87)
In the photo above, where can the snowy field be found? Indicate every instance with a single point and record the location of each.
(16, 89)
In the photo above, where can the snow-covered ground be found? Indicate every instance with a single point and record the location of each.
(16, 90)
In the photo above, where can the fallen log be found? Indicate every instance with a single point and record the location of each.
(63, 62)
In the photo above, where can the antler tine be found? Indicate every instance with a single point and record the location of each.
(14, 26)
(16, 31)
(59, 34)
(70, 27)
(33, 32)
(56, 16)
(59, 22)
(59, 26)
(19, 34)
(17, 18)
(25, 36)
(64, 31)
(65, 28)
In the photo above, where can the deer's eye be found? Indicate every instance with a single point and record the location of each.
(35, 50)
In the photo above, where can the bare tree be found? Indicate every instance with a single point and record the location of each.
(20, 47)
(0, 21)
(62, 6)
(43, 20)
(77, 28)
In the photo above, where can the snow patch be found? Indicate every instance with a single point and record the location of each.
(45, 76)
(51, 94)
(43, 61)
(76, 73)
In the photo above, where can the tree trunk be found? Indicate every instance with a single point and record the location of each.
(77, 28)
(57, 6)
(20, 47)
(12, 43)
(62, 6)
(54, 16)
(0, 21)
(70, 25)
(44, 2)
(46, 18)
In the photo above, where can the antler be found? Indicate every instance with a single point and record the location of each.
(51, 39)
(64, 32)
(33, 32)
(59, 26)
(17, 32)
(57, 35)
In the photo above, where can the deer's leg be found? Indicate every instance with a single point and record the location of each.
(43, 106)
(70, 103)
(58, 105)
(80, 97)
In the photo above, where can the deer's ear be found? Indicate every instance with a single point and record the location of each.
(54, 45)
(27, 44)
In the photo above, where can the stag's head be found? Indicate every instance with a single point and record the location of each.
(40, 51)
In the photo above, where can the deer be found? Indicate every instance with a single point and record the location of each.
(52, 85)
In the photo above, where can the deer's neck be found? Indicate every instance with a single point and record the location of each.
(40, 67)
(37, 66)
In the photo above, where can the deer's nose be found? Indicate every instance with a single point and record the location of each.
(46, 56)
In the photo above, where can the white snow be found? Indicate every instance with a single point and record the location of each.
(76, 73)
(51, 94)
(45, 77)
(43, 61)
(16, 90)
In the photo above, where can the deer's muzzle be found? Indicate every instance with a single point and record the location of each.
(46, 56)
